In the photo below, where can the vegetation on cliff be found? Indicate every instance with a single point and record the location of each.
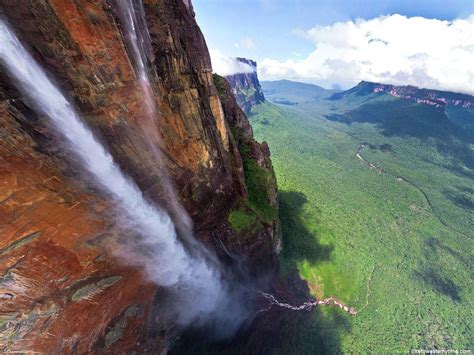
(259, 180)
(258, 207)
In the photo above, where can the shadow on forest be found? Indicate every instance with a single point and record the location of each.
(280, 331)
(434, 246)
(432, 273)
(462, 197)
(303, 332)
(439, 283)
(298, 242)
(277, 330)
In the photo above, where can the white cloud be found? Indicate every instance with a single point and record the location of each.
(224, 65)
(392, 49)
(245, 42)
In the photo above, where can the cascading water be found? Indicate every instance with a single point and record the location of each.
(132, 19)
(202, 296)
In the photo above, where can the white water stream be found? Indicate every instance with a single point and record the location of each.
(137, 39)
(198, 284)
(201, 295)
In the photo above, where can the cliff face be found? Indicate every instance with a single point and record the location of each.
(61, 291)
(423, 96)
(246, 87)
(257, 210)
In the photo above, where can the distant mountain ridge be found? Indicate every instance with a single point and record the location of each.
(246, 87)
(293, 84)
(430, 97)
(287, 92)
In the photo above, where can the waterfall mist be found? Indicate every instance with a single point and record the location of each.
(200, 294)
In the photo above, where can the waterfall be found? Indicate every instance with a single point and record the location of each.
(201, 294)
(137, 39)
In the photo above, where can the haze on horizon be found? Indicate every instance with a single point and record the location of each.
(340, 43)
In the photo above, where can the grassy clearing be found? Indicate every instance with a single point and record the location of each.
(367, 238)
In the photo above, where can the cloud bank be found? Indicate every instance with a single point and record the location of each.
(224, 65)
(393, 49)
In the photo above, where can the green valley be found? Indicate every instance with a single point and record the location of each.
(377, 209)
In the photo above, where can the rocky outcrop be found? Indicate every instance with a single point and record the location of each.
(423, 96)
(61, 291)
(258, 208)
(246, 87)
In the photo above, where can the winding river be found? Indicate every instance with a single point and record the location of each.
(397, 177)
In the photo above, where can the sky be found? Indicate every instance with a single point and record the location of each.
(337, 43)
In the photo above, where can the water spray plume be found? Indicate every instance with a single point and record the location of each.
(201, 294)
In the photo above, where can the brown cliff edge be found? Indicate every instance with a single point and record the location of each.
(60, 290)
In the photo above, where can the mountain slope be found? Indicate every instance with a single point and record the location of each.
(288, 92)
(423, 96)
(445, 120)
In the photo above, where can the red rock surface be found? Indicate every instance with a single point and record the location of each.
(60, 289)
